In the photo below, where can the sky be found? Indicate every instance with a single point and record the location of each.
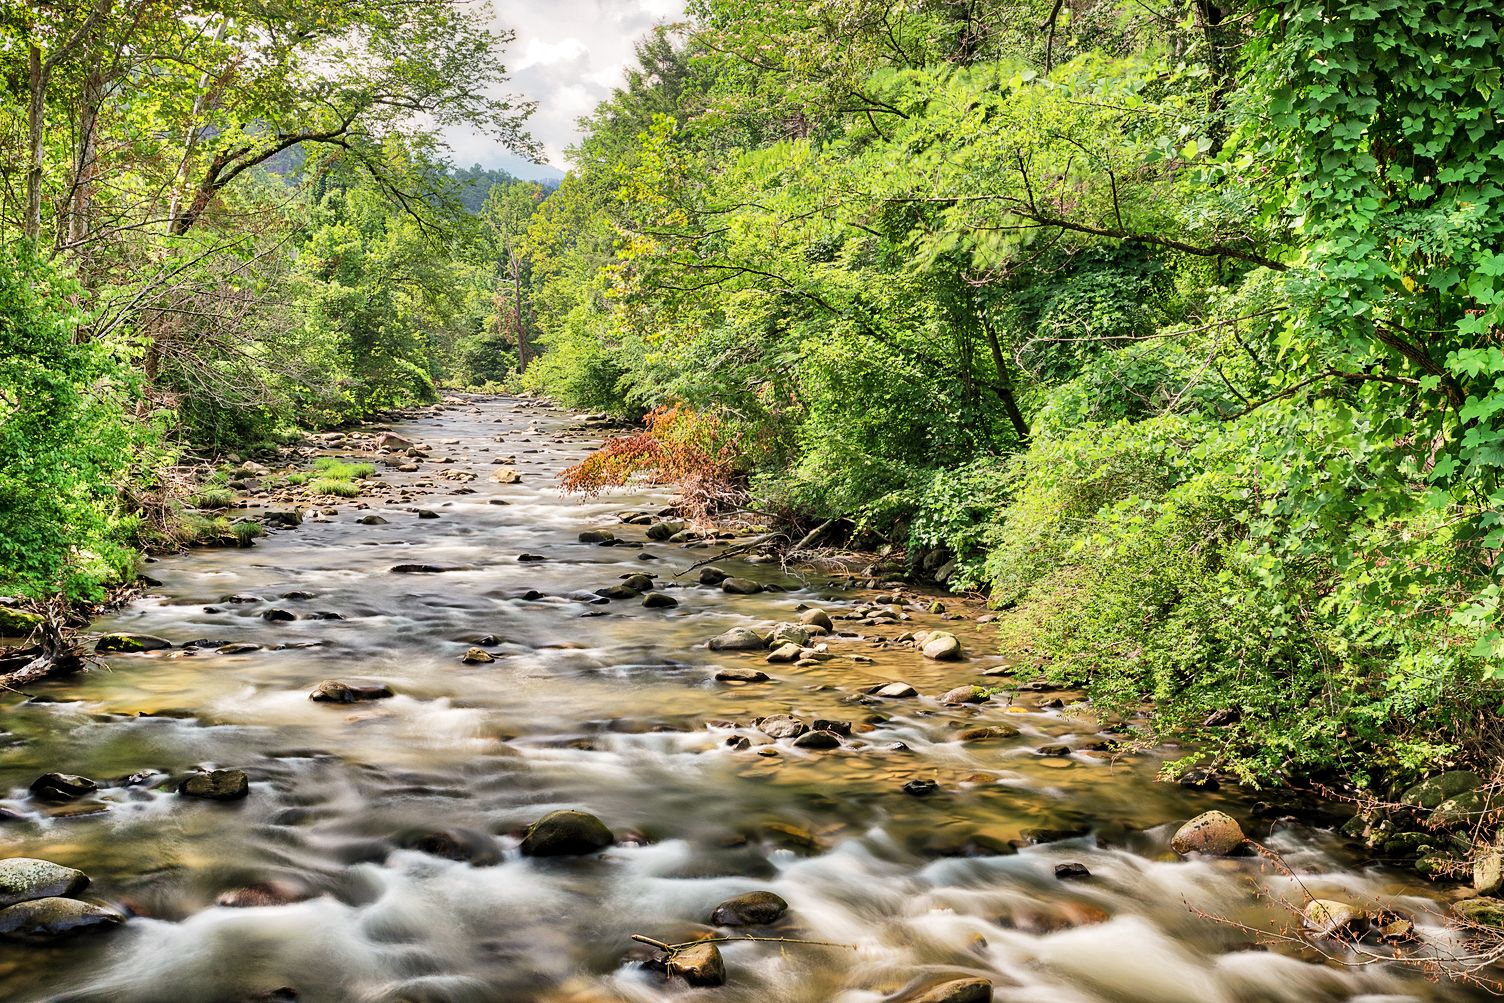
(568, 56)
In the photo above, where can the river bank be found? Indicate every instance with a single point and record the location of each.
(376, 852)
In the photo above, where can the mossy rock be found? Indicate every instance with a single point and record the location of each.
(1482, 911)
(1432, 791)
(18, 622)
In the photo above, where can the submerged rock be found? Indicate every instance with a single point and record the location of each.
(1330, 918)
(751, 909)
(955, 991)
(1213, 832)
(25, 878)
(130, 643)
(566, 833)
(60, 787)
(46, 918)
(337, 691)
(477, 656)
(741, 676)
(216, 785)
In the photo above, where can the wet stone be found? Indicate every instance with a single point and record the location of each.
(1071, 871)
(699, 965)
(566, 833)
(50, 918)
(278, 615)
(955, 991)
(60, 787)
(741, 676)
(751, 909)
(738, 639)
(921, 788)
(1215, 833)
(130, 643)
(337, 691)
(216, 785)
(818, 740)
(477, 656)
(25, 878)
(657, 600)
(781, 726)
(712, 576)
(740, 586)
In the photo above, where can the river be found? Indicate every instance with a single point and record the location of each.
(385, 834)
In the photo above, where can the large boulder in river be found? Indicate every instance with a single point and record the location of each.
(1480, 911)
(738, 639)
(506, 475)
(814, 617)
(216, 785)
(131, 643)
(751, 909)
(788, 633)
(566, 833)
(338, 691)
(740, 586)
(712, 576)
(661, 531)
(781, 726)
(18, 622)
(1215, 833)
(44, 919)
(955, 991)
(1432, 791)
(25, 878)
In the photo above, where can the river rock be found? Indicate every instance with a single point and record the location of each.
(941, 646)
(25, 878)
(964, 695)
(338, 691)
(816, 618)
(740, 586)
(566, 833)
(283, 519)
(788, 633)
(1215, 833)
(921, 788)
(751, 909)
(1458, 812)
(391, 440)
(699, 965)
(658, 600)
(988, 733)
(17, 622)
(370, 520)
(712, 576)
(46, 918)
(1330, 918)
(477, 656)
(784, 654)
(1071, 871)
(895, 691)
(781, 726)
(216, 785)
(262, 893)
(597, 536)
(955, 991)
(278, 615)
(1432, 791)
(1488, 867)
(820, 739)
(60, 787)
(740, 676)
(738, 639)
(131, 643)
(506, 475)
(661, 531)
(621, 591)
(1482, 911)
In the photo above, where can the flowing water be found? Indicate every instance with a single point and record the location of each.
(357, 813)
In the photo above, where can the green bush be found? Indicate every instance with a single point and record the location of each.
(66, 439)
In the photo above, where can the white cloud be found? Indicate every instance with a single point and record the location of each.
(568, 56)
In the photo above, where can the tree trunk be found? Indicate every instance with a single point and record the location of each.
(86, 165)
(1004, 385)
(514, 265)
(35, 111)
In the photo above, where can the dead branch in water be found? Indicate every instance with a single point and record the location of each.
(54, 651)
(671, 948)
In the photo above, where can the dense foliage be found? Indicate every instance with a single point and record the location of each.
(222, 223)
(1175, 327)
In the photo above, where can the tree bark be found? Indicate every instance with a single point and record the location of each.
(38, 72)
(1004, 385)
(86, 163)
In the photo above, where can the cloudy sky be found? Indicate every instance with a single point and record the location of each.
(568, 56)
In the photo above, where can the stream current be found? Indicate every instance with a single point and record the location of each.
(387, 832)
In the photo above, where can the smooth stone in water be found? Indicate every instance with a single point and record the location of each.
(818, 740)
(217, 785)
(597, 536)
(738, 639)
(44, 919)
(741, 676)
(712, 576)
(566, 833)
(506, 475)
(1329, 918)
(964, 694)
(60, 787)
(1070, 871)
(131, 643)
(1213, 832)
(751, 909)
(657, 600)
(896, 691)
(955, 991)
(699, 965)
(740, 586)
(942, 647)
(477, 656)
(784, 654)
(781, 726)
(816, 618)
(337, 691)
(25, 878)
